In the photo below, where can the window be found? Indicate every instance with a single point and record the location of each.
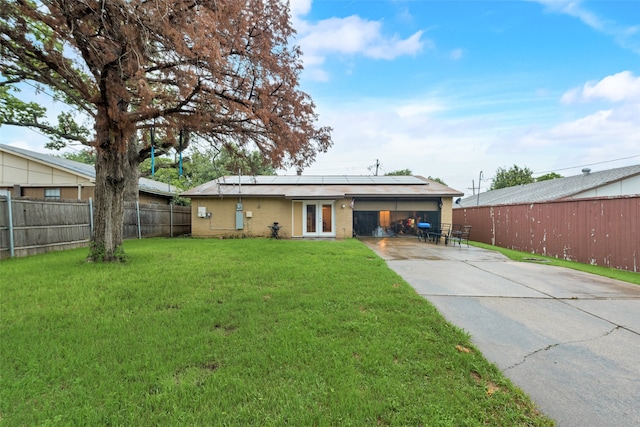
(52, 194)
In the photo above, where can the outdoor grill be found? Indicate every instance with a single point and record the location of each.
(423, 229)
(275, 228)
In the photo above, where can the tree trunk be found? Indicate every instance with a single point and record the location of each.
(111, 170)
(131, 186)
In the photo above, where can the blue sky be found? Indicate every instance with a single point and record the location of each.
(451, 88)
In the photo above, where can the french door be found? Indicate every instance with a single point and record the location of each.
(318, 218)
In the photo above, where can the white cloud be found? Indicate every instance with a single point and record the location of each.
(576, 131)
(406, 133)
(456, 54)
(350, 36)
(597, 134)
(390, 48)
(620, 87)
(413, 109)
(431, 136)
(299, 7)
(574, 8)
(571, 96)
(627, 37)
(602, 127)
(354, 35)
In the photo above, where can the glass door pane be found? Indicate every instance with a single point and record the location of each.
(327, 218)
(319, 218)
(311, 218)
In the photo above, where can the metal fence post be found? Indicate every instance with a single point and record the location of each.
(138, 215)
(10, 211)
(170, 219)
(90, 218)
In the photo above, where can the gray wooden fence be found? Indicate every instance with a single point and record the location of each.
(29, 227)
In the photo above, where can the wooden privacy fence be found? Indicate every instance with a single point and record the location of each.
(602, 231)
(29, 227)
(156, 220)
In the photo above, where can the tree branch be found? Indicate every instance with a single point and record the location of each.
(51, 131)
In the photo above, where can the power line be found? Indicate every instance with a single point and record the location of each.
(76, 146)
(589, 164)
(40, 89)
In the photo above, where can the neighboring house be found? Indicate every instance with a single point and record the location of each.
(41, 176)
(623, 181)
(318, 206)
(590, 218)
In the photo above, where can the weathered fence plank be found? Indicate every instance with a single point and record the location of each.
(41, 226)
(598, 231)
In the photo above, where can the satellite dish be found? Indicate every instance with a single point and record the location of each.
(458, 200)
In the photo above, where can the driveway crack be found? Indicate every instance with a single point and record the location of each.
(550, 346)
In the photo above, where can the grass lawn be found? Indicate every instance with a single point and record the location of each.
(627, 276)
(233, 333)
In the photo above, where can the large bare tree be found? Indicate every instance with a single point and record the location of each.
(223, 70)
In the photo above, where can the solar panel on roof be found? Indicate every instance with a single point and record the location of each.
(322, 180)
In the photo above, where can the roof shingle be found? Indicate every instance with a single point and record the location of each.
(553, 189)
(86, 170)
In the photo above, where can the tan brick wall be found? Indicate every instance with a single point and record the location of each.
(447, 210)
(264, 212)
(297, 219)
(344, 219)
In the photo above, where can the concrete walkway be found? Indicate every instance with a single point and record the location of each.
(570, 340)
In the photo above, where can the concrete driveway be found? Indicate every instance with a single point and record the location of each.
(570, 340)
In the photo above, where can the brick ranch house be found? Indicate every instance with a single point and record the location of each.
(338, 206)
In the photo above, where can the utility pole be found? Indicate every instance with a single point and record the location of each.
(479, 181)
(377, 166)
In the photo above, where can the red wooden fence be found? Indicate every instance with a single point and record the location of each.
(602, 231)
